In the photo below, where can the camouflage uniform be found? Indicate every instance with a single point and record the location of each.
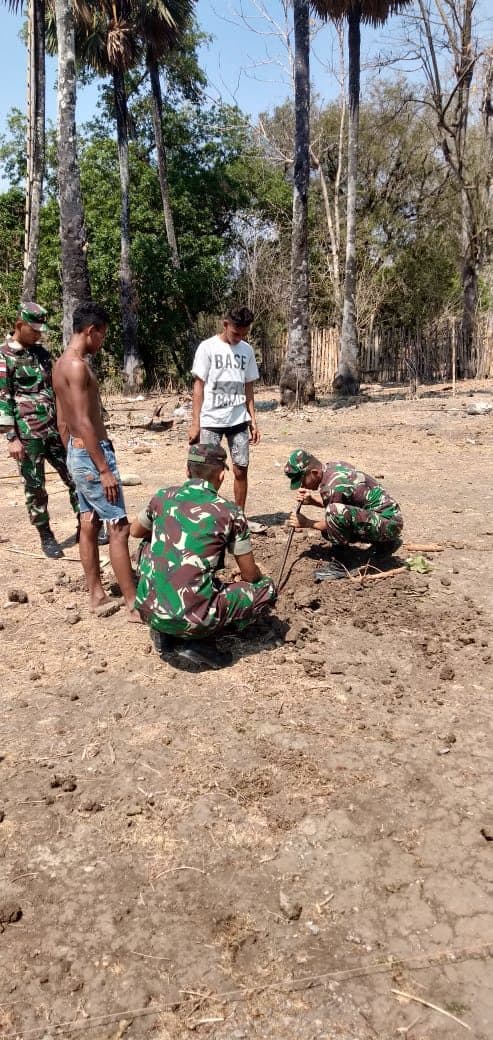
(178, 592)
(27, 403)
(357, 509)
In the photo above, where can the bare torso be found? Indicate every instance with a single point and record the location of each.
(77, 394)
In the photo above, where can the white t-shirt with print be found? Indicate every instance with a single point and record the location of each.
(224, 369)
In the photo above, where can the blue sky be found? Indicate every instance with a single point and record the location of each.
(244, 63)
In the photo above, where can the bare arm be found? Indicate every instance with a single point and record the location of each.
(79, 406)
(248, 568)
(301, 522)
(310, 498)
(250, 405)
(197, 402)
(62, 425)
(137, 530)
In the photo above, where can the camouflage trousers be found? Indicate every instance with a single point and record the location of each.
(351, 524)
(38, 451)
(236, 605)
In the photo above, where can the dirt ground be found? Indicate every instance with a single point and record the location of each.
(274, 849)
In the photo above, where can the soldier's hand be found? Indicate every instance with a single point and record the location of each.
(110, 485)
(16, 450)
(302, 495)
(193, 433)
(298, 521)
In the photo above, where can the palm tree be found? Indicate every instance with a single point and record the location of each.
(35, 138)
(161, 25)
(75, 274)
(373, 12)
(108, 42)
(296, 381)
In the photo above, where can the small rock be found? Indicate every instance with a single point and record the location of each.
(290, 907)
(134, 810)
(17, 596)
(466, 640)
(141, 449)
(67, 783)
(46, 588)
(130, 479)
(74, 696)
(34, 676)
(445, 580)
(486, 658)
(447, 672)
(2, 626)
(347, 687)
(2, 815)
(336, 668)
(89, 805)
(73, 618)
(10, 911)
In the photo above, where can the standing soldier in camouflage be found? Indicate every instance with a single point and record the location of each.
(28, 419)
(188, 530)
(356, 508)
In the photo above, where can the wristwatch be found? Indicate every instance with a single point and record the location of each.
(12, 435)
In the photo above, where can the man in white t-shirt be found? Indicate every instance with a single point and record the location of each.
(225, 370)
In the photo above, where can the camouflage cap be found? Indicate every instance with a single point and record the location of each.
(296, 467)
(209, 454)
(33, 315)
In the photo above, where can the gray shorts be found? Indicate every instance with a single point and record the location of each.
(238, 438)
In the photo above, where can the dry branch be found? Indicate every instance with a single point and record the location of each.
(428, 1004)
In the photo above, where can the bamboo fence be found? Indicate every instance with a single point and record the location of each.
(396, 355)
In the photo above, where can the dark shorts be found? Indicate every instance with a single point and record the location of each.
(87, 480)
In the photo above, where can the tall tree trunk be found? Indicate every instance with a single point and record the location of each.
(346, 380)
(35, 144)
(75, 274)
(471, 263)
(162, 166)
(132, 361)
(296, 380)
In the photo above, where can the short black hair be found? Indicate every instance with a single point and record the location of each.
(204, 470)
(239, 315)
(89, 313)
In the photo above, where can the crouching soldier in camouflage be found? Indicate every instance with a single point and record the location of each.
(28, 419)
(188, 530)
(356, 508)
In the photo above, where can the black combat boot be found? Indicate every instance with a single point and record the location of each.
(49, 544)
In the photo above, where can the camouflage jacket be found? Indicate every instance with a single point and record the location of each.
(192, 526)
(341, 483)
(27, 401)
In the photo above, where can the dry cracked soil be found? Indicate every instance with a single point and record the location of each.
(274, 849)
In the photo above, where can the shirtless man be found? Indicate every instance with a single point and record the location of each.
(90, 456)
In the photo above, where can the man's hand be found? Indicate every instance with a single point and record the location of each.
(254, 434)
(194, 433)
(298, 521)
(16, 450)
(110, 485)
(304, 496)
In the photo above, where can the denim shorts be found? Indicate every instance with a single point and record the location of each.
(238, 438)
(87, 480)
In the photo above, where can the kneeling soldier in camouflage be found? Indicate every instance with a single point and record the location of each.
(356, 508)
(188, 530)
(28, 419)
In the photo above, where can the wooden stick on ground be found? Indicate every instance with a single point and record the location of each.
(363, 578)
(434, 1007)
(418, 547)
